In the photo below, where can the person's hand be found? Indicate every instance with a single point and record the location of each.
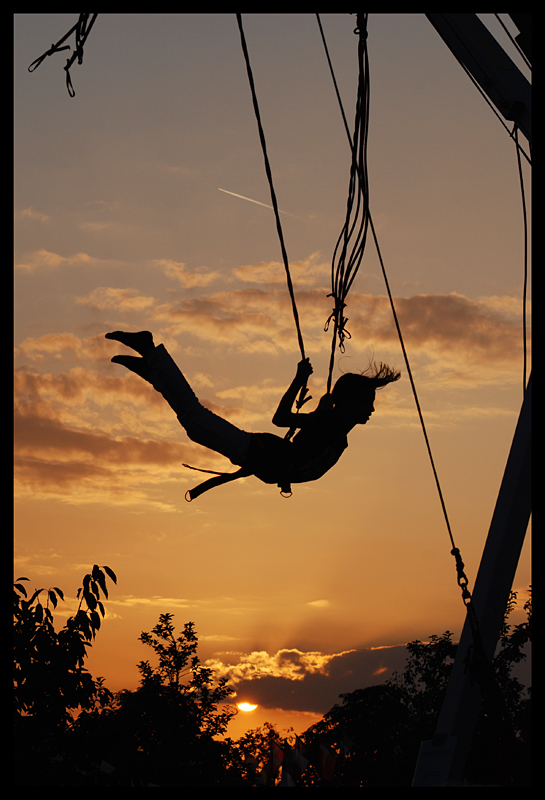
(304, 370)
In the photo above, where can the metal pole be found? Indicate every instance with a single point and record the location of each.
(442, 761)
(479, 53)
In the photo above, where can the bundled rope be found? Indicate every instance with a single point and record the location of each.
(348, 252)
(82, 29)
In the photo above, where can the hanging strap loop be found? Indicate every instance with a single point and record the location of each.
(82, 28)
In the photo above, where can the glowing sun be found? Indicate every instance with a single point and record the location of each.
(246, 706)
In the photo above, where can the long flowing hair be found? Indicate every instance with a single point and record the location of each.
(352, 385)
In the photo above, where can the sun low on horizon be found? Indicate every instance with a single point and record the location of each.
(120, 224)
(246, 706)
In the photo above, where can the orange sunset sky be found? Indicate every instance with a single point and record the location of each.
(120, 223)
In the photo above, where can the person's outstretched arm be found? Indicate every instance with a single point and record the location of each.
(284, 416)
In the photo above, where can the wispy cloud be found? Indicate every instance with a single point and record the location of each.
(87, 437)
(306, 272)
(156, 601)
(50, 344)
(46, 260)
(122, 300)
(31, 214)
(176, 270)
(449, 329)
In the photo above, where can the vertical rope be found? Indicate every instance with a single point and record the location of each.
(461, 576)
(271, 186)
(302, 398)
(415, 394)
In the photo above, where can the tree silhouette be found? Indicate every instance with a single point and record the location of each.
(373, 737)
(71, 731)
(162, 734)
(255, 755)
(50, 680)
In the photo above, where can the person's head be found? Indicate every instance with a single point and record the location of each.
(354, 393)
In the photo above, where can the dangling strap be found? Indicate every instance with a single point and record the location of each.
(221, 477)
(226, 477)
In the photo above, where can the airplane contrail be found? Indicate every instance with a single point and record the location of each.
(249, 199)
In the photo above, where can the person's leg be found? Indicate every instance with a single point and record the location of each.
(201, 425)
(135, 364)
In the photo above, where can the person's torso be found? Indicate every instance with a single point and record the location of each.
(314, 450)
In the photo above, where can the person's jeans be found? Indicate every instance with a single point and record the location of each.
(202, 426)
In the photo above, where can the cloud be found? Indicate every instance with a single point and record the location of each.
(45, 260)
(252, 320)
(457, 339)
(189, 280)
(237, 318)
(453, 332)
(92, 426)
(306, 272)
(36, 435)
(58, 345)
(79, 466)
(30, 213)
(454, 322)
(51, 344)
(156, 601)
(79, 481)
(123, 300)
(89, 437)
(292, 664)
(294, 680)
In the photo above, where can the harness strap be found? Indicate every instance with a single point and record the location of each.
(226, 477)
(221, 478)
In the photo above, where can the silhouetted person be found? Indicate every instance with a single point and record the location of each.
(321, 437)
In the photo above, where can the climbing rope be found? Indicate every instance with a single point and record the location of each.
(82, 29)
(302, 399)
(271, 185)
